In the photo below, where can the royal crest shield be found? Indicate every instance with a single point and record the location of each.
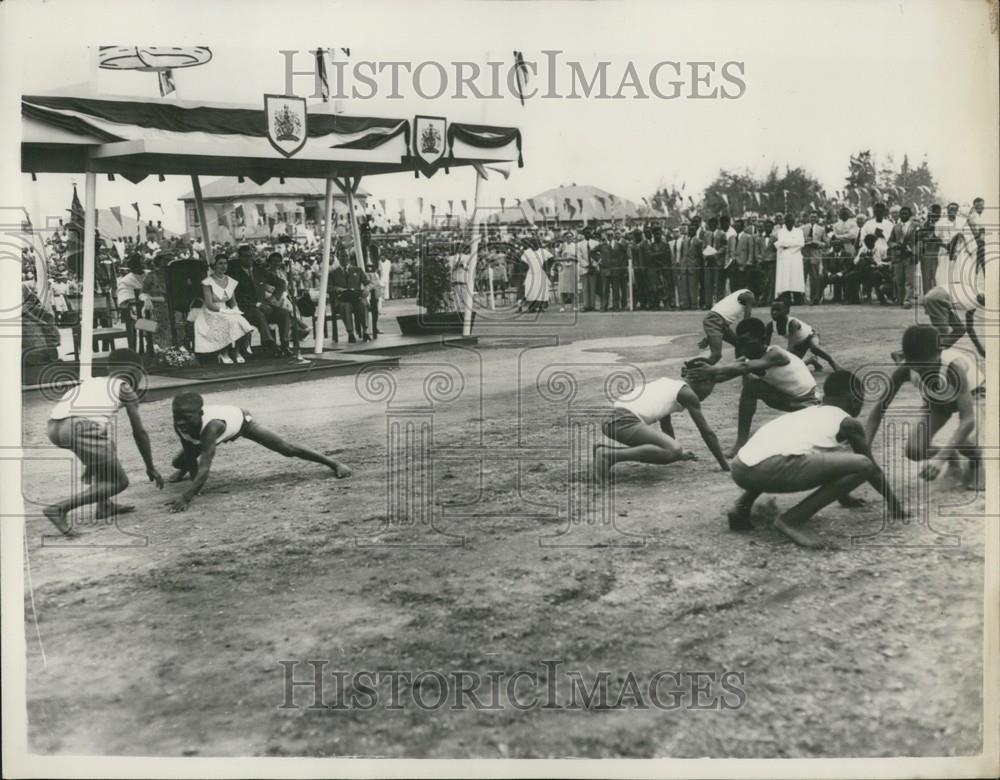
(286, 122)
(429, 139)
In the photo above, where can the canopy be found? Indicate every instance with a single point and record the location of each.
(136, 138)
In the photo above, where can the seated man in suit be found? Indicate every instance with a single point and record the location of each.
(350, 287)
(252, 280)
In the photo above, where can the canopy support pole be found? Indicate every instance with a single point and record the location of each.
(200, 206)
(355, 230)
(470, 279)
(89, 261)
(324, 276)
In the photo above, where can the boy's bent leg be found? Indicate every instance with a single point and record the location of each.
(261, 435)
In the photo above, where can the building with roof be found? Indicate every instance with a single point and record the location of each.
(238, 210)
(572, 204)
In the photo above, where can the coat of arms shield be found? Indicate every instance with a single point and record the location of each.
(286, 122)
(429, 141)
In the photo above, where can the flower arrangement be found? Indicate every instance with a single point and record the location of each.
(174, 357)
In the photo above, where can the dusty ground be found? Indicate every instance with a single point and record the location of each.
(173, 647)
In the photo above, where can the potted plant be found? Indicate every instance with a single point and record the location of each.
(435, 294)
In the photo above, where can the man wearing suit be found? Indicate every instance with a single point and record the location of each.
(740, 251)
(659, 274)
(812, 257)
(688, 267)
(250, 292)
(903, 253)
(766, 258)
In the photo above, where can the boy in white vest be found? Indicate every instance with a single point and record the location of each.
(641, 422)
(83, 422)
(948, 385)
(823, 449)
(719, 322)
(770, 374)
(201, 428)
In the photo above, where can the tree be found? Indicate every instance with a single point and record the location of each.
(869, 183)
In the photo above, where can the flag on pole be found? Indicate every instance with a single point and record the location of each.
(433, 209)
(381, 203)
(324, 83)
(503, 202)
(134, 205)
(420, 207)
(166, 80)
(116, 212)
(465, 208)
(520, 75)
(160, 206)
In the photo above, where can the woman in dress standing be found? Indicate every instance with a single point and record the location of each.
(219, 324)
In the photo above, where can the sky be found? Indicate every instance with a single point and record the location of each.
(822, 80)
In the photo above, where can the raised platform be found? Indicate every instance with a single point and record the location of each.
(338, 360)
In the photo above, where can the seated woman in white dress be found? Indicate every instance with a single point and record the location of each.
(219, 325)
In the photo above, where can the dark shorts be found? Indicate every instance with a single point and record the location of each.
(776, 399)
(795, 473)
(623, 426)
(91, 442)
(715, 325)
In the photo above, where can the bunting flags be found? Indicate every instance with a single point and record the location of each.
(569, 207)
(160, 206)
(580, 202)
(324, 84)
(531, 202)
(451, 207)
(520, 75)
(420, 207)
(134, 205)
(166, 80)
(465, 208)
(503, 202)
(725, 198)
(602, 201)
(116, 212)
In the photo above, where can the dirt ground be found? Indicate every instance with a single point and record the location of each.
(172, 647)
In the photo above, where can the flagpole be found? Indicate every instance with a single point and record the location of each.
(199, 204)
(473, 258)
(89, 258)
(324, 275)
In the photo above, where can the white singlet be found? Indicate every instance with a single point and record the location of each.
(730, 307)
(654, 401)
(793, 378)
(232, 416)
(795, 433)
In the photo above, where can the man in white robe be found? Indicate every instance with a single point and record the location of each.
(789, 276)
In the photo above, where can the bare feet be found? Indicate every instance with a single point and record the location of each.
(59, 519)
(687, 455)
(851, 502)
(177, 476)
(107, 510)
(798, 534)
